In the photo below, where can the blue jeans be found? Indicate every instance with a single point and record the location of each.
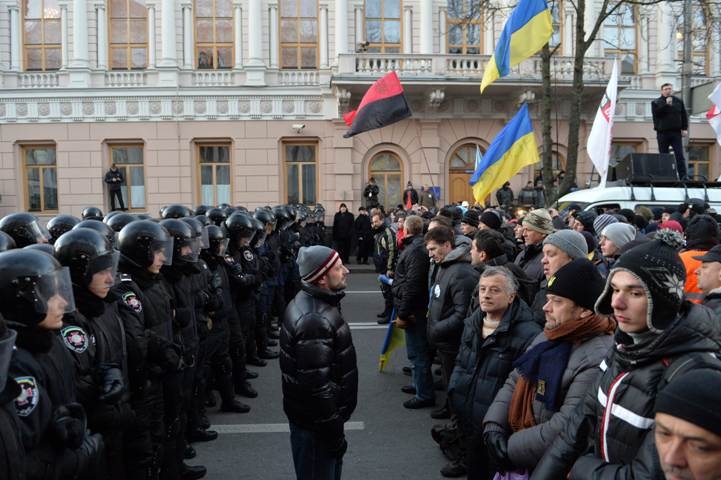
(420, 358)
(311, 457)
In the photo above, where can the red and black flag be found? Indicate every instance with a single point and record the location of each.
(383, 104)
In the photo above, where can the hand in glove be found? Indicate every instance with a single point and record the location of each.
(89, 453)
(69, 423)
(172, 358)
(497, 448)
(112, 384)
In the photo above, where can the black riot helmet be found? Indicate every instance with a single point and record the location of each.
(24, 228)
(201, 209)
(111, 214)
(292, 212)
(117, 222)
(227, 210)
(204, 221)
(92, 213)
(186, 246)
(41, 247)
(198, 229)
(33, 286)
(265, 216)
(217, 240)
(216, 215)
(99, 227)
(61, 224)
(282, 217)
(6, 242)
(301, 215)
(139, 241)
(259, 235)
(175, 211)
(85, 252)
(241, 209)
(239, 225)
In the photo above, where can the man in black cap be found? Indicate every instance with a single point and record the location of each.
(318, 363)
(709, 278)
(688, 426)
(469, 223)
(660, 337)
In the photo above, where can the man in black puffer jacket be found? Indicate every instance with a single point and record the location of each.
(660, 336)
(318, 364)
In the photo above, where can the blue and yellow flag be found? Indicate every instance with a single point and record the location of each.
(527, 29)
(394, 339)
(513, 148)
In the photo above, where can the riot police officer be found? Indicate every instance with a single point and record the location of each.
(12, 454)
(24, 228)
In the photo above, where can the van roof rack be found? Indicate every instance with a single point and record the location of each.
(665, 183)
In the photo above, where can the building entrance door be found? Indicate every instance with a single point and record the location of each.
(461, 167)
(385, 167)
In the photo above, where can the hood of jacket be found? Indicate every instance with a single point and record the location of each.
(696, 329)
(460, 253)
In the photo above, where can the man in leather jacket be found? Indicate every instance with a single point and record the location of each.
(318, 365)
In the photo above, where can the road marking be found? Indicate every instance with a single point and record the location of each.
(362, 291)
(367, 326)
(272, 427)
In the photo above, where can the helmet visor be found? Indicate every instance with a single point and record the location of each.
(260, 237)
(51, 292)
(204, 240)
(109, 261)
(219, 247)
(164, 247)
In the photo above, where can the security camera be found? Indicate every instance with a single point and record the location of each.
(298, 127)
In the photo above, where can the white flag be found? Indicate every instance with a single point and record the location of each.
(599, 141)
(714, 114)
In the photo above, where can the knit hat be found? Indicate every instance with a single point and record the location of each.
(587, 218)
(569, 242)
(578, 281)
(693, 397)
(491, 220)
(671, 225)
(657, 266)
(314, 262)
(627, 213)
(470, 218)
(702, 232)
(539, 220)
(619, 233)
(602, 221)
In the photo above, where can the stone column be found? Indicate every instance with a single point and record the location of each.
(255, 33)
(568, 29)
(488, 40)
(273, 34)
(407, 29)
(237, 35)
(151, 36)
(15, 36)
(443, 29)
(80, 35)
(64, 48)
(667, 39)
(426, 27)
(187, 35)
(101, 38)
(168, 52)
(359, 33)
(341, 27)
(323, 36)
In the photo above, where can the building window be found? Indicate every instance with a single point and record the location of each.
(300, 172)
(129, 160)
(699, 167)
(214, 33)
(464, 22)
(299, 34)
(214, 164)
(701, 37)
(128, 34)
(385, 167)
(557, 19)
(41, 37)
(40, 178)
(383, 26)
(620, 37)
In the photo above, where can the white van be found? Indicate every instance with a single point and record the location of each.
(632, 196)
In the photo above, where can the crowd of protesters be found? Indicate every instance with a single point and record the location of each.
(564, 340)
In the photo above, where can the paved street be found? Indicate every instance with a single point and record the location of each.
(386, 441)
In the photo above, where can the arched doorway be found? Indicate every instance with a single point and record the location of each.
(385, 167)
(461, 166)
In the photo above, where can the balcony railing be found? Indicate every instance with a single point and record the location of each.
(38, 80)
(439, 66)
(125, 78)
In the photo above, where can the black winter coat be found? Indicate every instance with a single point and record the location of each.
(318, 363)
(450, 296)
(667, 117)
(713, 301)
(482, 365)
(530, 261)
(343, 226)
(114, 179)
(363, 229)
(410, 284)
(410, 194)
(12, 454)
(615, 419)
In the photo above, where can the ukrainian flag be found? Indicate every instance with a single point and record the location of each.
(394, 339)
(513, 148)
(526, 31)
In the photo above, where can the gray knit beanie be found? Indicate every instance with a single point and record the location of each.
(619, 233)
(314, 262)
(570, 242)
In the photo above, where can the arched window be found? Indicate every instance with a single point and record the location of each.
(386, 168)
(299, 34)
(461, 166)
(213, 33)
(128, 34)
(383, 26)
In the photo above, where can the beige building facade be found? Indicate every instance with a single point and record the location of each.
(239, 101)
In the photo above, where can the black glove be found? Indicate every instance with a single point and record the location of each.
(112, 384)
(69, 423)
(89, 453)
(202, 298)
(172, 357)
(338, 447)
(497, 448)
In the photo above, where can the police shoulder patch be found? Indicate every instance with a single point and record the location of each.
(131, 300)
(29, 396)
(248, 255)
(74, 338)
